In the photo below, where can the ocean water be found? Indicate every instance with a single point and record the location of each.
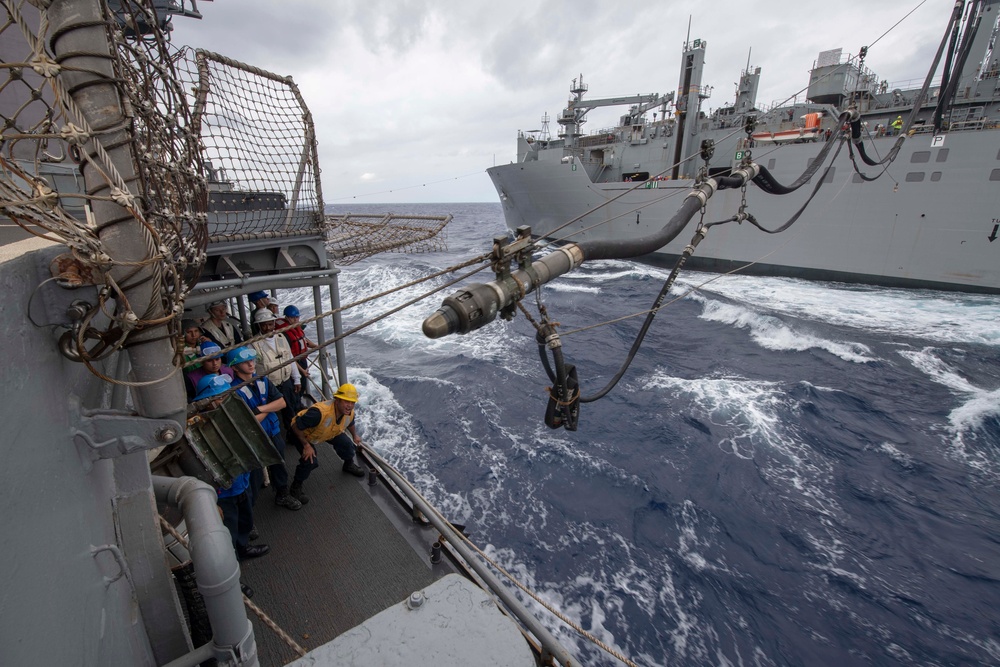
(790, 473)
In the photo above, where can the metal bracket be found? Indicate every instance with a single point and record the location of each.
(285, 259)
(504, 253)
(123, 570)
(108, 434)
(229, 262)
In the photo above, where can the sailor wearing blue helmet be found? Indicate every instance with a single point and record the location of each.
(239, 355)
(211, 356)
(212, 385)
(265, 401)
(237, 510)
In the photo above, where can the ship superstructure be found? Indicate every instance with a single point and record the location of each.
(931, 221)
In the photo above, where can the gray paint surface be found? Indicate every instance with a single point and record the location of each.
(456, 624)
(60, 511)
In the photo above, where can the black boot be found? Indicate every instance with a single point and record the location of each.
(352, 468)
(252, 551)
(297, 492)
(284, 499)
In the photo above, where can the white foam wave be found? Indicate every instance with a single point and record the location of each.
(932, 315)
(977, 404)
(897, 455)
(772, 334)
(390, 431)
(615, 270)
(751, 408)
(752, 418)
(690, 540)
(564, 287)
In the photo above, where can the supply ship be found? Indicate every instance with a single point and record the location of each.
(929, 221)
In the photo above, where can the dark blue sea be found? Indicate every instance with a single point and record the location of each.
(790, 473)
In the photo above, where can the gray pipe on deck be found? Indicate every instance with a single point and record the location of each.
(215, 564)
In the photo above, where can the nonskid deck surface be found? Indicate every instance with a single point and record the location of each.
(333, 564)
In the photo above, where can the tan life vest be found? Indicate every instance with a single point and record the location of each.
(224, 335)
(268, 359)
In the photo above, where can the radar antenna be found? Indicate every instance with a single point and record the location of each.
(545, 136)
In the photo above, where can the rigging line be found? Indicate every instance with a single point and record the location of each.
(499, 568)
(353, 304)
(349, 332)
(690, 291)
(919, 5)
(407, 304)
(640, 207)
(407, 187)
(638, 186)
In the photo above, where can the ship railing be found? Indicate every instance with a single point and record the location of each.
(456, 541)
(452, 540)
(965, 126)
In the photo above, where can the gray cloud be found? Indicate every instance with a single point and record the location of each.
(413, 91)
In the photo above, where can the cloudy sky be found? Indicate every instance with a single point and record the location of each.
(413, 100)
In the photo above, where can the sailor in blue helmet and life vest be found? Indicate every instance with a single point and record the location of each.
(265, 401)
(235, 502)
(331, 421)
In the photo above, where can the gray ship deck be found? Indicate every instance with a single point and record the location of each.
(344, 557)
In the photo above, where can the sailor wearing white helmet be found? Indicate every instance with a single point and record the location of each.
(274, 358)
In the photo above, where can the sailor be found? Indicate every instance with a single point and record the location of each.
(275, 309)
(297, 340)
(219, 328)
(258, 300)
(897, 125)
(332, 421)
(211, 364)
(264, 401)
(237, 510)
(273, 356)
(192, 338)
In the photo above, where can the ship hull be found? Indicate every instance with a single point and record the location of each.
(927, 223)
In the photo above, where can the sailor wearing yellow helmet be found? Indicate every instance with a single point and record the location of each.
(330, 421)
